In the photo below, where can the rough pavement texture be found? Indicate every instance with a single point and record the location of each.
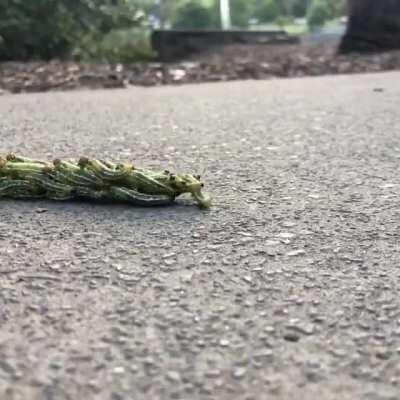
(287, 288)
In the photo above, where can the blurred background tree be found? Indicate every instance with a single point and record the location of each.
(373, 26)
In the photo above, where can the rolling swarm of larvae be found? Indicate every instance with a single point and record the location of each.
(23, 178)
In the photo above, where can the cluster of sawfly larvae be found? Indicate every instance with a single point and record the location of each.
(92, 179)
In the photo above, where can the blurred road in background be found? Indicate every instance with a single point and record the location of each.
(287, 288)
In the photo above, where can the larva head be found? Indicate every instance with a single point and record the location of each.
(83, 162)
(186, 183)
(193, 185)
(125, 167)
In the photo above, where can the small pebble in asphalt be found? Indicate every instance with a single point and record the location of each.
(239, 373)
(173, 376)
(118, 370)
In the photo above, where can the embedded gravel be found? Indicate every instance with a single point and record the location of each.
(287, 288)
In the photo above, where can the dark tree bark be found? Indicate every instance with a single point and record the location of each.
(374, 25)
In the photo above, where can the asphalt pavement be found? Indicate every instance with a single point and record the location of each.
(287, 288)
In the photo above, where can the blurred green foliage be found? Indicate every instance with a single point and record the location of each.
(119, 45)
(48, 29)
(283, 20)
(321, 11)
(204, 14)
(267, 11)
(299, 8)
(194, 15)
(241, 11)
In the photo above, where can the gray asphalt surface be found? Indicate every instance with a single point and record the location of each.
(287, 288)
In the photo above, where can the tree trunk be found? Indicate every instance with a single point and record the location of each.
(374, 25)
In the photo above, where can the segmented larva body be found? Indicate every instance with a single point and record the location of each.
(92, 179)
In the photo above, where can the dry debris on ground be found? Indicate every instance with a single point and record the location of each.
(230, 63)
